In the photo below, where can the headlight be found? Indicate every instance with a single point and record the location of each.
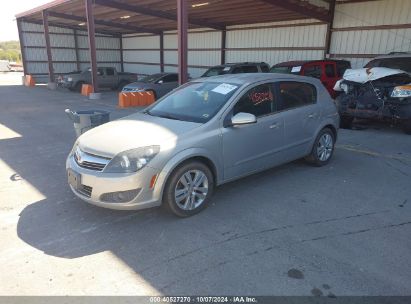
(69, 79)
(401, 91)
(132, 160)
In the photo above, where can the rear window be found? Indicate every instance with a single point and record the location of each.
(329, 70)
(282, 70)
(296, 94)
(250, 69)
(215, 71)
(401, 63)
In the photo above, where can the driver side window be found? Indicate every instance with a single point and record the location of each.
(258, 101)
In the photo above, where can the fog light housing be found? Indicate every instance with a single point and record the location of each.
(120, 196)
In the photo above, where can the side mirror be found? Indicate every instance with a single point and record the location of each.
(243, 119)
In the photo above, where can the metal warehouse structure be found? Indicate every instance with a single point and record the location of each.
(188, 36)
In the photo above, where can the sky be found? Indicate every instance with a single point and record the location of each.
(8, 26)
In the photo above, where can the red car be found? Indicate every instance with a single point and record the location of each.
(328, 71)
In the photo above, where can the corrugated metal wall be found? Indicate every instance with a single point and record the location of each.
(63, 50)
(284, 41)
(358, 36)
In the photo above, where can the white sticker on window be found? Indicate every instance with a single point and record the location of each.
(226, 69)
(224, 88)
(296, 69)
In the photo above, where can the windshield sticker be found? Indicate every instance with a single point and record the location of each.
(296, 69)
(226, 69)
(224, 88)
(260, 97)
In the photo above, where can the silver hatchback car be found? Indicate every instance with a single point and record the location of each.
(205, 133)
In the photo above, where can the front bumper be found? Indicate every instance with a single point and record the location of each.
(99, 183)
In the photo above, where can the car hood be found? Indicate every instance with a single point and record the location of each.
(134, 131)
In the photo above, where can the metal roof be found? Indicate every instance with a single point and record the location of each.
(155, 16)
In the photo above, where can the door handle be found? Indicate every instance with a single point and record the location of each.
(312, 115)
(274, 125)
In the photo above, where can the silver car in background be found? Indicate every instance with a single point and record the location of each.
(205, 133)
(159, 84)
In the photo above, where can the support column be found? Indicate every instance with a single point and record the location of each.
(223, 45)
(92, 43)
(182, 23)
(22, 47)
(121, 53)
(329, 29)
(162, 52)
(76, 50)
(48, 48)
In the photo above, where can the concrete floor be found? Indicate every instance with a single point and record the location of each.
(343, 229)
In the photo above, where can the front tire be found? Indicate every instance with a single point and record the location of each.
(188, 189)
(323, 148)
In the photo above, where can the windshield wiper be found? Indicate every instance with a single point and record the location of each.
(168, 116)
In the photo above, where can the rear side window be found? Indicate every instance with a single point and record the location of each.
(110, 71)
(329, 70)
(259, 101)
(238, 70)
(295, 94)
(250, 69)
(313, 71)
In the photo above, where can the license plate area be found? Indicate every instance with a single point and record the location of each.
(74, 179)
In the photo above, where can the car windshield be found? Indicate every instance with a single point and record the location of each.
(150, 78)
(215, 71)
(401, 63)
(195, 102)
(281, 69)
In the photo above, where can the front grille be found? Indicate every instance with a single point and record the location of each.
(90, 161)
(85, 190)
(91, 166)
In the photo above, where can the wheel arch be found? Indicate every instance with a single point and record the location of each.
(184, 157)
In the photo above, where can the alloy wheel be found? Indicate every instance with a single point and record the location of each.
(191, 190)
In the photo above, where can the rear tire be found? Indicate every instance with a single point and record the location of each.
(406, 126)
(188, 189)
(323, 148)
(346, 122)
(78, 86)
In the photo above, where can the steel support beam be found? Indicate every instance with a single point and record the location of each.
(182, 25)
(92, 43)
(305, 9)
(144, 10)
(162, 52)
(76, 50)
(48, 47)
(136, 29)
(223, 45)
(22, 48)
(330, 25)
(121, 54)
